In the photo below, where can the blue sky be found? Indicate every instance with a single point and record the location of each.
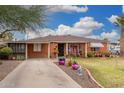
(67, 17)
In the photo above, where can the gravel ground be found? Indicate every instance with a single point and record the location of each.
(83, 80)
(6, 67)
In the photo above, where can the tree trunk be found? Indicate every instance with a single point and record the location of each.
(122, 42)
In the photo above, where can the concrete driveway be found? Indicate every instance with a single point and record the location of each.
(38, 73)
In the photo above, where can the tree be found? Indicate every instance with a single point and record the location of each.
(120, 23)
(8, 36)
(20, 18)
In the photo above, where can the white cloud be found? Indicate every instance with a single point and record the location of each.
(111, 36)
(113, 18)
(40, 33)
(82, 28)
(67, 8)
(94, 36)
(88, 23)
(64, 30)
(122, 8)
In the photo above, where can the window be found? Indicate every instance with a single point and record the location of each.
(37, 47)
(17, 47)
(95, 49)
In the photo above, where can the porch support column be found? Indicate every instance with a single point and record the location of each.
(26, 51)
(85, 50)
(48, 50)
(66, 49)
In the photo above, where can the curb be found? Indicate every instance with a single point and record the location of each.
(90, 75)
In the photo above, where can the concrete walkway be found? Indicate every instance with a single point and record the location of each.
(38, 73)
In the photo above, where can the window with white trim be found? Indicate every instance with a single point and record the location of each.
(37, 47)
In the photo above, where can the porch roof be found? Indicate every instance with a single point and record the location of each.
(96, 45)
(60, 39)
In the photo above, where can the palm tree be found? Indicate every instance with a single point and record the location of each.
(120, 23)
(20, 18)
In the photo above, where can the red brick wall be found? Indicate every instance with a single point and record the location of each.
(42, 54)
(105, 48)
(88, 47)
(102, 49)
(52, 50)
(82, 46)
(44, 50)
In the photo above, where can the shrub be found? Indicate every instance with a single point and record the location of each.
(5, 52)
(98, 54)
(90, 54)
(74, 62)
(72, 57)
(106, 54)
(69, 63)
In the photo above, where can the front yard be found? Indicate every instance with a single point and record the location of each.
(109, 72)
(6, 67)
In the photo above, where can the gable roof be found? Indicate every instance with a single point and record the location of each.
(60, 38)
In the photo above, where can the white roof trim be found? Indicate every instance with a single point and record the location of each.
(96, 45)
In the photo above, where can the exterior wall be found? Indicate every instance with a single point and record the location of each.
(105, 48)
(54, 47)
(102, 49)
(53, 52)
(42, 54)
(82, 49)
(88, 47)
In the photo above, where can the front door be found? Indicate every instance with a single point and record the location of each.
(60, 49)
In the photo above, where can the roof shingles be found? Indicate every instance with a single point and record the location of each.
(60, 38)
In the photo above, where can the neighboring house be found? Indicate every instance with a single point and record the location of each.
(114, 47)
(54, 46)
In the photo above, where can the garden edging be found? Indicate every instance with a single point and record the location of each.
(92, 78)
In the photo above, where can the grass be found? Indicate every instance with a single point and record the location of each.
(109, 72)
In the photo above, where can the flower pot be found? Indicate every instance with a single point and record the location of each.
(75, 66)
(62, 62)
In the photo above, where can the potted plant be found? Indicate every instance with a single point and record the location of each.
(61, 61)
(70, 63)
(5, 52)
(70, 60)
(75, 65)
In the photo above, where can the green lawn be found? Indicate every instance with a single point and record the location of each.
(109, 72)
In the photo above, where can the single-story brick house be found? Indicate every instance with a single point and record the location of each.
(54, 46)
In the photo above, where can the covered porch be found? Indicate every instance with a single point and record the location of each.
(65, 49)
